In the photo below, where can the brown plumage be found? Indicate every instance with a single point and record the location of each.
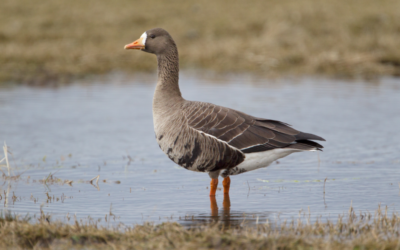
(206, 137)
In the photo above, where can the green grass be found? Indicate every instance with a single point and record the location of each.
(363, 231)
(56, 41)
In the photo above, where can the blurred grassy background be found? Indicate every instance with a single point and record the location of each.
(54, 41)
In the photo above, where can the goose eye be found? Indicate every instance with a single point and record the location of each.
(152, 36)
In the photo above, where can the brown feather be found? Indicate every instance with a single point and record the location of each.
(242, 131)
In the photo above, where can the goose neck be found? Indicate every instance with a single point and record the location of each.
(168, 76)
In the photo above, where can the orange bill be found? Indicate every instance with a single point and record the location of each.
(138, 44)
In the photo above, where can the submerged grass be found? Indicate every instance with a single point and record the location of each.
(363, 231)
(5, 159)
(55, 41)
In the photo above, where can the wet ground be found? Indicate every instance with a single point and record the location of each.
(61, 138)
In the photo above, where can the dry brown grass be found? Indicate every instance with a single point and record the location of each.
(52, 41)
(363, 231)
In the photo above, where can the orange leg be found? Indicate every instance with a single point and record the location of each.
(213, 186)
(226, 183)
(214, 206)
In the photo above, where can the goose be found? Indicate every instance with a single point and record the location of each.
(205, 137)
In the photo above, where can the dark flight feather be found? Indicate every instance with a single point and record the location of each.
(247, 133)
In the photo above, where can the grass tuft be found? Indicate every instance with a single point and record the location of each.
(351, 231)
(7, 165)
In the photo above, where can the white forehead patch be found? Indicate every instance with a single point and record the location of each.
(144, 37)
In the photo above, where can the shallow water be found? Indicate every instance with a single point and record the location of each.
(76, 132)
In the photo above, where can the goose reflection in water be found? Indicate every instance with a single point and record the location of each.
(225, 217)
(226, 204)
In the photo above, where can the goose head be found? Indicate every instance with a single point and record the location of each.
(156, 41)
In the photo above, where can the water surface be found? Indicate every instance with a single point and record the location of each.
(77, 132)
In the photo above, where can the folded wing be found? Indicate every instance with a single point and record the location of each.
(244, 132)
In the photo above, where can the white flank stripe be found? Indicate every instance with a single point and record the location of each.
(253, 146)
(201, 132)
